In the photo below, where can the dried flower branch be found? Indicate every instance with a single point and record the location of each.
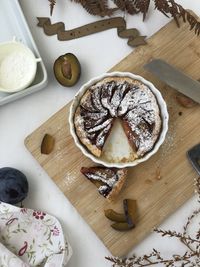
(142, 6)
(154, 259)
(168, 7)
(96, 7)
(126, 5)
(191, 242)
(52, 4)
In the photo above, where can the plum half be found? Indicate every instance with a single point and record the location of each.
(67, 69)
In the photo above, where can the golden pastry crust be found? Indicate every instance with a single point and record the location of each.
(118, 186)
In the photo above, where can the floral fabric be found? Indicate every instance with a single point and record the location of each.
(31, 238)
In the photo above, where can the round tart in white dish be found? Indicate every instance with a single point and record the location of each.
(18, 66)
(118, 119)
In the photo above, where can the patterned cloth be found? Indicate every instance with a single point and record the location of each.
(31, 238)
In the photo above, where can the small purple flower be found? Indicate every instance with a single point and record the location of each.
(39, 215)
(55, 231)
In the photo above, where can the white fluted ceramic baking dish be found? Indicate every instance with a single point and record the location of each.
(163, 113)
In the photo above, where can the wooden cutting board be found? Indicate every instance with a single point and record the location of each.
(160, 185)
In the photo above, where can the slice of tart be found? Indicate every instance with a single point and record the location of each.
(109, 181)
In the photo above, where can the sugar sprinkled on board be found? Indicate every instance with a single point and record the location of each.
(69, 179)
(169, 144)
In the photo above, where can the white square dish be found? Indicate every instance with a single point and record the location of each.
(13, 24)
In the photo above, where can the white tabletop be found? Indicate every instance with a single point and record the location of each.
(97, 54)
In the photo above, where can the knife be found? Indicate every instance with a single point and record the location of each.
(174, 78)
(194, 157)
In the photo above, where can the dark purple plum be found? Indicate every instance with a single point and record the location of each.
(13, 185)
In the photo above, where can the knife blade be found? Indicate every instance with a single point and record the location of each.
(174, 78)
(194, 157)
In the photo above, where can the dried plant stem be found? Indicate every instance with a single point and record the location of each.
(168, 7)
(52, 4)
(182, 237)
(183, 259)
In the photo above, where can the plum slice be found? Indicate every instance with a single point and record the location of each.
(114, 216)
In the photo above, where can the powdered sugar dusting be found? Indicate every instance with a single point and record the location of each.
(108, 177)
(104, 190)
(130, 100)
(100, 126)
(102, 136)
(143, 120)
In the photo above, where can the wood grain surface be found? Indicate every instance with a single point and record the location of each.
(161, 184)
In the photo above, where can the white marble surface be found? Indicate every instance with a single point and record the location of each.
(97, 54)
